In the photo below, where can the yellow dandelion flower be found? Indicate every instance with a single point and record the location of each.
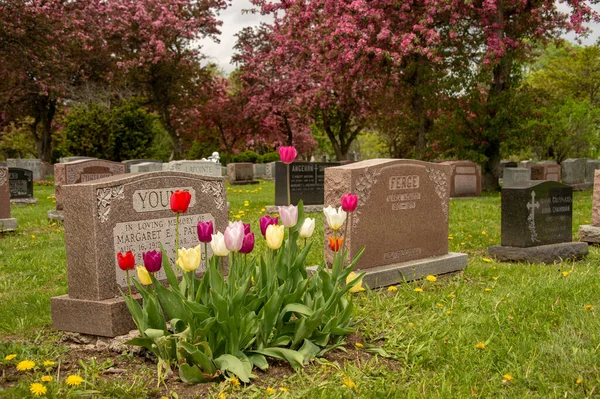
(358, 345)
(222, 395)
(431, 278)
(263, 209)
(164, 397)
(49, 363)
(74, 380)
(462, 243)
(488, 260)
(270, 391)
(46, 378)
(470, 236)
(450, 237)
(588, 307)
(507, 377)
(565, 274)
(392, 288)
(579, 381)
(25, 365)
(238, 216)
(439, 305)
(418, 289)
(37, 389)
(10, 357)
(491, 240)
(495, 278)
(283, 389)
(480, 345)
(487, 289)
(449, 312)
(53, 224)
(452, 296)
(33, 236)
(234, 381)
(411, 324)
(483, 232)
(349, 383)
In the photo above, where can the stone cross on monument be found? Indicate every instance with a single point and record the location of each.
(532, 206)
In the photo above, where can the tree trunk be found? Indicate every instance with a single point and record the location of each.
(288, 128)
(45, 110)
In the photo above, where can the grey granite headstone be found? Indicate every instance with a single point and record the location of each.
(573, 171)
(21, 186)
(506, 164)
(74, 158)
(591, 167)
(6, 222)
(204, 168)
(146, 167)
(130, 162)
(128, 212)
(34, 165)
(513, 176)
(241, 173)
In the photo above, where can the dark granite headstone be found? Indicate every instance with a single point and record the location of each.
(307, 182)
(507, 164)
(20, 183)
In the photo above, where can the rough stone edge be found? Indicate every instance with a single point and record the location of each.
(589, 233)
(9, 224)
(382, 276)
(540, 254)
(54, 214)
(24, 201)
(307, 208)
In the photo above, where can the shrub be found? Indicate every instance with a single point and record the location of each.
(269, 157)
(246, 156)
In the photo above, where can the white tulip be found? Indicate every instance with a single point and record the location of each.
(307, 228)
(218, 244)
(335, 217)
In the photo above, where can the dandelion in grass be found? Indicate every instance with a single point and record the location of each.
(74, 380)
(488, 260)
(487, 289)
(495, 278)
(392, 288)
(270, 391)
(283, 389)
(37, 389)
(46, 378)
(588, 307)
(439, 305)
(411, 324)
(449, 312)
(358, 345)
(507, 378)
(418, 289)
(483, 232)
(25, 365)
(451, 296)
(33, 236)
(579, 381)
(480, 345)
(10, 357)
(53, 224)
(565, 274)
(349, 383)
(431, 278)
(234, 381)
(222, 395)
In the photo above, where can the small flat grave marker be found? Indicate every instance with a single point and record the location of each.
(21, 186)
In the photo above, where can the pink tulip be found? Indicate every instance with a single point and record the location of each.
(289, 215)
(234, 236)
(248, 244)
(287, 154)
(246, 228)
(349, 202)
(265, 222)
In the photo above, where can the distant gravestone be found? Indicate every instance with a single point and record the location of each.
(21, 186)
(34, 165)
(263, 171)
(591, 167)
(513, 176)
(204, 168)
(546, 170)
(6, 222)
(536, 224)
(241, 173)
(573, 171)
(401, 219)
(526, 164)
(506, 164)
(74, 158)
(465, 180)
(81, 172)
(146, 167)
(125, 213)
(130, 162)
(590, 233)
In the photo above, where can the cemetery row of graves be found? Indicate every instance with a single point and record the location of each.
(452, 276)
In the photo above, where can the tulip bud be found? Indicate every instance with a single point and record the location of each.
(349, 202)
(248, 244)
(274, 236)
(180, 200)
(287, 154)
(358, 286)
(289, 215)
(205, 231)
(143, 275)
(307, 228)
(127, 261)
(335, 243)
(265, 222)
(234, 236)
(218, 245)
(189, 259)
(246, 228)
(152, 260)
(335, 218)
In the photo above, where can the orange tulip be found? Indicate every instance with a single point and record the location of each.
(335, 243)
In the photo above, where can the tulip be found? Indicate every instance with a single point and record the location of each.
(289, 215)
(189, 259)
(358, 286)
(205, 231)
(349, 202)
(265, 222)
(248, 244)
(307, 228)
(152, 260)
(287, 154)
(143, 275)
(180, 200)
(218, 245)
(274, 236)
(246, 228)
(335, 218)
(127, 261)
(234, 236)
(335, 243)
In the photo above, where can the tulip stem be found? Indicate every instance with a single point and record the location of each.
(289, 182)
(176, 234)
(129, 284)
(345, 239)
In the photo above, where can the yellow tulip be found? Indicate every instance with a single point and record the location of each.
(358, 286)
(274, 236)
(143, 275)
(189, 259)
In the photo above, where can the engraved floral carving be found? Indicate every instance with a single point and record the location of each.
(362, 187)
(105, 196)
(217, 189)
(3, 176)
(440, 180)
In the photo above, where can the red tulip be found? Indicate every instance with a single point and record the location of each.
(127, 261)
(349, 202)
(335, 243)
(180, 200)
(287, 154)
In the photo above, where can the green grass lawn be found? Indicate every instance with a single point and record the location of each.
(494, 330)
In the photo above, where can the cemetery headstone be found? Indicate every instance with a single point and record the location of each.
(506, 164)
(260, 170)
(130, 162)
(573, 172)
(513, 176)
(465, 180)
(401, 219)
(204, 168)
(590, 233)
(526, 164)
(125, 213)
(34, 165)
(545, 170)
(6, 222)
(591, 167)
(241, 173)
(536, 224)
(146, 167)
(21, 186)
(74, 158)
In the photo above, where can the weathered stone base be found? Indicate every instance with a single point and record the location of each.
(243, 182)
(540, 254)
(23, 201)
(412, 270)
(589, 233)
(7, 225)
(107, 318)
(582, 186)
(307, 208)
(53, 214)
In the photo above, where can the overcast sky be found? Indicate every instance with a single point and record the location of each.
(234, 20)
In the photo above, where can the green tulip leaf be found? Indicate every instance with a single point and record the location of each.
(259, 361)
(192, 374)
(297, 308)
(309, 351)
(233, 365)
(171, 277)
(294, 358)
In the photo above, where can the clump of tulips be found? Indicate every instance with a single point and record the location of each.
(266, 306)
